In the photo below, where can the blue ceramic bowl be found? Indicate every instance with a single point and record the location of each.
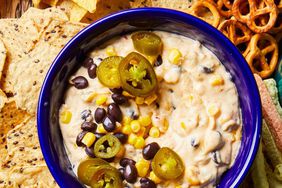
(128, 21)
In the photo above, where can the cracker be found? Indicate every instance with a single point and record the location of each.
(104, 8)
(19, 37)
(3, 54)
(182, 5)
(28, 74)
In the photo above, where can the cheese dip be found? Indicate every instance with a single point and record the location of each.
(151, 109)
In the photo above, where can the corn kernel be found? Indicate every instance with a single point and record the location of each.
(101, 99)
(141, 132)
(150, 99)
(135, 126)
(154, 132)
(139, 100)
(66, 116)
(166, 124)
(142, 167)
(140, 143)
(154, 178)
(132, 139)
(192, 176)
(101, 129)
(175, 56)
(110, 51)
(145, 120)
(126, 129)
(88, 139)
(183, 125)
(216, 80)
(178, 186)
(121, 152)
(213, 110)
(126, 120)
(125, 93)
(90, 97)
(118, 127)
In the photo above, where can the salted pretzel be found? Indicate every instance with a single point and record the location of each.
(263, 55)
(257, 16)
(223, 6)
(277, 28)
(238, 33)
(278, 3)
(198, 9)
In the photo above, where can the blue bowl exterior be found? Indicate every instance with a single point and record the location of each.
(68, 59)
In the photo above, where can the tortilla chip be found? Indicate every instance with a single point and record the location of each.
(77, 13)
(28, 74)
(43, 17)
(37, 176)
(182, 5)
(23, 146)
(104, 8)
(10, 117)
(36, 3)
(19, 37)
(140, 3)
(50, 2)
(88, 5)
(3, 99)
(3, 54)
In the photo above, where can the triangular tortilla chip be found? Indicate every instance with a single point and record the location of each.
(182, 5)
(3, 54)
(43, 17)
(34, 67)
(19, 37)
(37, 176)
(140, 3)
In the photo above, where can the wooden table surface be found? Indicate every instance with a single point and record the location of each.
(13, 8)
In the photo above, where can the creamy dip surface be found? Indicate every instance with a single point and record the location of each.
(197, 110)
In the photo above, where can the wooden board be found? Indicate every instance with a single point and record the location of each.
(13, 8)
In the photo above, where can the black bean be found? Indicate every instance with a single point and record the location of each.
(130, 173)
(115, 112)
(159, 61)
(117, 90)
(147, 183)
(150, 150)
(121, 171)
(90, 152)
(109, 123)
(99, 115)
(122, 137)
(86, 115)
(80, 82)
(99, 135)
(92, 71)
(119, 98)
(126, 161)
(87, 62)
(89, 126)
(79, 138)
(208, 70)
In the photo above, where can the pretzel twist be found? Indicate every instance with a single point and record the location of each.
(196, 11)
(257, 11)
(223, 6)
(262, 45)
